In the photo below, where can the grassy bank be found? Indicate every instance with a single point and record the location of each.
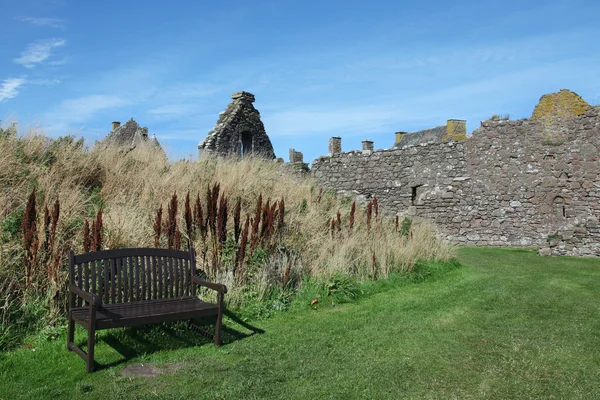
(506, 325)
(294, 230)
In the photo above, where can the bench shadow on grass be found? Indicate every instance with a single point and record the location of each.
(135, 342)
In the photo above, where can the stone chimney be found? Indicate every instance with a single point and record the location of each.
(367, 146)
(335, 145)
(399, 136)
(115, 125)
(243, 96)
(456, 129)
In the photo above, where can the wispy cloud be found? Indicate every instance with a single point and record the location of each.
(38, 52)
(9, 88)
(45, 22)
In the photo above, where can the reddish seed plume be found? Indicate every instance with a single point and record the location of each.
(158, 227)
(97, 240)
(237, 226)
(320, 195)
(172, 221)
(93, 239)
(352, 215)
(272, 216)
(332, 227)
(369, 214)
(30, 238)
(397, 223)
(222, 222)
(189, 220)
(200, 220)
(87, 240)
(339, 222)
(241, 253)
(177, 239)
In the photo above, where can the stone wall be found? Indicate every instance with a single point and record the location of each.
(505, 185)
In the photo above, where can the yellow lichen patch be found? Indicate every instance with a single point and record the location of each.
(554, 109)
(456, 130)
(559, 106)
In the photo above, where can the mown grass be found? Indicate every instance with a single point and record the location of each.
(506, 325)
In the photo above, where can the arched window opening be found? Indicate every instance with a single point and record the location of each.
(246, 143)
(560, 206)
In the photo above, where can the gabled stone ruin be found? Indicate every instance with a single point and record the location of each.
(239, 132)
(130, 135)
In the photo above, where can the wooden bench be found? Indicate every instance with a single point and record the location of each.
(129, 287)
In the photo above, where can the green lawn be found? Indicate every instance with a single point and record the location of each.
(506, 325)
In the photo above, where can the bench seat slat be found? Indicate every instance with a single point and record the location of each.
(147, 312)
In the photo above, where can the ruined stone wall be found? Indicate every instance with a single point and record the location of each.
(507, 185)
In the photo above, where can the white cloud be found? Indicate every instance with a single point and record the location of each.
(45, 21)
(9, 88)
(38, 51)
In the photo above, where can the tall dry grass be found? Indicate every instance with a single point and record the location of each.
(130, 186)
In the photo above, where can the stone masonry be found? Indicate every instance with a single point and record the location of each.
(239, 131)
(508, 184)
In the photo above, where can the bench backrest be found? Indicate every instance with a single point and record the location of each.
(126, 275)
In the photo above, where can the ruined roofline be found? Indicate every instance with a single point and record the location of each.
(369, 153)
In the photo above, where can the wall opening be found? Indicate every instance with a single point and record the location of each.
(414, 194)
(560, 206)
(246, 143)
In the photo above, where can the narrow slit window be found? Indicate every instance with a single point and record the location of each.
(414, 194)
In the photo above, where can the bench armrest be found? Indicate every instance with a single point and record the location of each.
(214, 286)
(91, 298)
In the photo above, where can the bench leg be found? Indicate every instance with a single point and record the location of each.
(90, 349)
(70, 332)
(218, 325)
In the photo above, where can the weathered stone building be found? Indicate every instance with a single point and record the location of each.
(238, 132)
(130, 135)
(511, 183)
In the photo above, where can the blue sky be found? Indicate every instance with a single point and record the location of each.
(355, 69)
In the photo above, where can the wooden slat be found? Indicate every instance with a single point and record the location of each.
(94, 267)
(124, 286)
(86, 277)
(160, 292)
(137, 278)
(155, 278)
(79, 281)
(106, 270)
(172, 278)
(177, 269)
(119, 280)
(144, 277)
(131, 276)
(113, 280)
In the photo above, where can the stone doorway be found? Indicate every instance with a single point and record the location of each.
(246, 143)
